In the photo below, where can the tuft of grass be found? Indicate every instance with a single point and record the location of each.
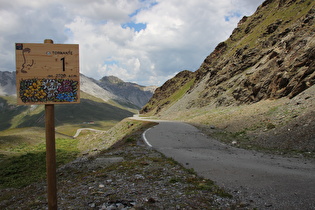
(198, 183)
(270, 126)
(174, 180)
(131, 140)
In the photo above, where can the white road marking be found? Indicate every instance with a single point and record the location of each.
(145, 139)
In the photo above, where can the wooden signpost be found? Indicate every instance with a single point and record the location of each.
(48, 74)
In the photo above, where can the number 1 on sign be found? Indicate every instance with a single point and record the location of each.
(63, 64)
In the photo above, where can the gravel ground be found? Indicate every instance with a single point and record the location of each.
(127, 177)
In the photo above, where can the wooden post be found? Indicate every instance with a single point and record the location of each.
(39, 65)
(50, 152)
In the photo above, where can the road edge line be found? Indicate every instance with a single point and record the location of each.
(145, 139)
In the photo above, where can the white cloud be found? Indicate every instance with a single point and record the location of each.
(115, 10)
(173, 35)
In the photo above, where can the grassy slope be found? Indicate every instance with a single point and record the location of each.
(170, 100)
(90, 109)
(282, 126)
(8, 114)
(29, 166)
(260, 21)
(22, 139)
(22, 155)
(22, 150)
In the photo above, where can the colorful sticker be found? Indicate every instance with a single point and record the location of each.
(19, 46)
(48, 90)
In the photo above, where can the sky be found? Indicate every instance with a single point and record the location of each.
(141, 41)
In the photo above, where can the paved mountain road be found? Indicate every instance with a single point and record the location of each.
(261, 180)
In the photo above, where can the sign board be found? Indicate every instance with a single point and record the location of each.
(47, 73)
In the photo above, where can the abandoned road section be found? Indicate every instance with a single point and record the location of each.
(260, 180)
(81, 129)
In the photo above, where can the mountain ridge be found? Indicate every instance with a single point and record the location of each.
(278, 36)
(264, 58)
(105, 89)
(97, 105)
(256, 89)
(136, 94)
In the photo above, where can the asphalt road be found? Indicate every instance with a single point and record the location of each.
(260, 180)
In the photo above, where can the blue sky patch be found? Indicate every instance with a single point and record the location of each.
(138, 26)
(135, 26)
(111, 62)
(232, 15)
(135, 13)
(138, 10)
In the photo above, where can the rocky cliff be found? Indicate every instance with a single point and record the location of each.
(270, 55)
(169, 92)
(134, 93)
(256, 89)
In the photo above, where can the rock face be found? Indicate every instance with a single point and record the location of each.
(270, 55)
(136, 94)
(90, 86)
(163, 95)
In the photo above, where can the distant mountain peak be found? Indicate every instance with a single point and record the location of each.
(112, 79)
(108, 88)
(132, 92)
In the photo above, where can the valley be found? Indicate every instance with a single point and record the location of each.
(254, 94)
(22, 128)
